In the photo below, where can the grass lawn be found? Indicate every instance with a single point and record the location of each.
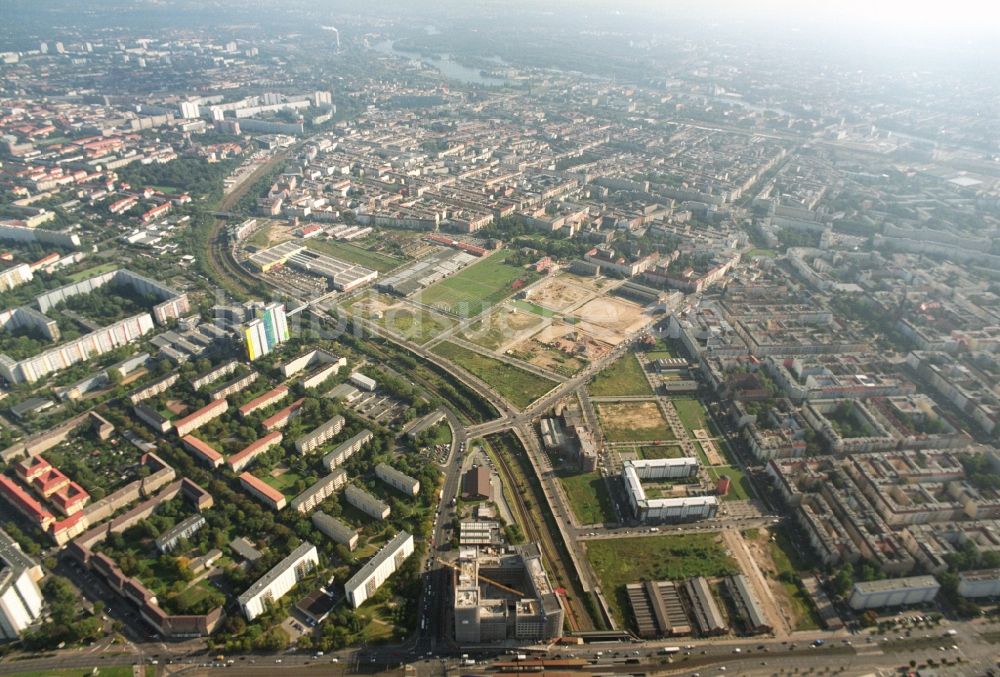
(477, 287)
(739, 487)
(91, 272)
(588, 494)
(354, 254)
(440, 434)
(661, 452)
(788, 562)
(758, 251)
(416, 325)
(618, 561)
(633, 422)
(691, 413)
(194, 595)
(623, 377)
(518, 386)
(282, 483)
(261, 237)
(663, 349)
(532, 308)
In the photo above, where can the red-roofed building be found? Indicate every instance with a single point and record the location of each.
(202, 451)
(263, 492)
(204, 415)
(265, 400)
(243, 458)
(32, 467)
(49, 482)
(70, 499)
(24, 503)
(156, 212)
(281, 419)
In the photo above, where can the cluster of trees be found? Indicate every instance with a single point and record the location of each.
(980, 472)
(193, 175)
(67, 622)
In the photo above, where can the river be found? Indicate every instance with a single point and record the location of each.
(447, 66)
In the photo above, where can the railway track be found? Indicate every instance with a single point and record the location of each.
(576, 614)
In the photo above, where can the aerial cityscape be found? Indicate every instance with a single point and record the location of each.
(474, 337)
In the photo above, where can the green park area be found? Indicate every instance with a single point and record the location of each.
(88, 273)
(691, 413)
(620, 561)
(588, 495)
(477, 287)
(520, 387)
(660, 451)
(623, 378)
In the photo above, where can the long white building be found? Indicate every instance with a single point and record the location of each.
(20, 598)
(279, 580)
(399, 481)
(366, 503)
(893, 592)
(677, 509)
(377, 570)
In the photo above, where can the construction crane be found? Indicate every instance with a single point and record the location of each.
(488, 580)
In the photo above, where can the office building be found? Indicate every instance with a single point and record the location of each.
(273, 585)
(264, 334)
(20, 597)
(378, 569)
(527, 609)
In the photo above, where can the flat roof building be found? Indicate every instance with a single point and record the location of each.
(335, 529)
(399, 481)
(273, 585)
(893, 592)
(366, 503)
(377, 570)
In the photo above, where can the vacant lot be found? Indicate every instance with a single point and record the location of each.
(633, 422)
(614, 313)
(781, 563)
(624, 377)
(619, 561)
(354, 254)
(418, 325)
(692, 414)
(477, 287)
(519, 387)
(547, 357)
(559, 293)
(502, 327)
(589, 497)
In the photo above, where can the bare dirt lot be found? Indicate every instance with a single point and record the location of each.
(633, 422)
(570, 339)
(559, 293)
(547, 357)
(502, 328)
(177, 408)
(610, 319)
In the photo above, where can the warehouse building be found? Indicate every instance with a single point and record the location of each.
(747, 605)
(893, 592)
(377, 570)
(703, 607)
(657, 609)
(401, 482)
(336, 530)
(273, 585)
